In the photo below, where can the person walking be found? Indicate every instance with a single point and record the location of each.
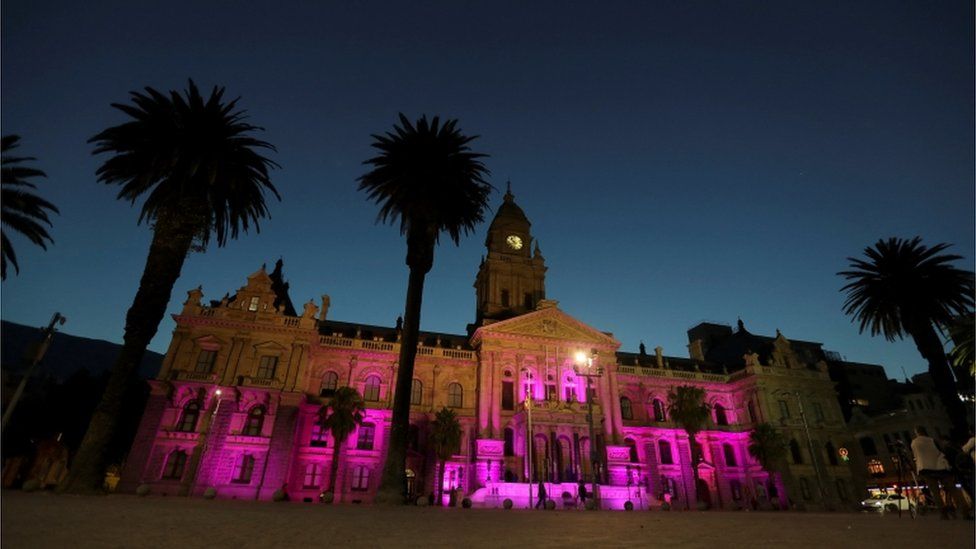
(542, 496)
(581, 492)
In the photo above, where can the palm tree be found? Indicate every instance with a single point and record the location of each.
(341, 416)
(768, 446)
(445, 439)
(962, 332)
(905, 287)
(22, 211)
(687, 408)
(426, 179)
(201, 173)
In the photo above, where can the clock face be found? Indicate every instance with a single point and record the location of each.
(514, 242)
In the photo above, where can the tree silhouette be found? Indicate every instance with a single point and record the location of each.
(768, 446)
(427, 179)
(687, 408)
(445, 439)
(22, 211)
(341, 416)
(905, 287)
(201, 174)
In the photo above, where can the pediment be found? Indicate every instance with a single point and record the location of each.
(550, 323)
(270, 347)
(209, 342)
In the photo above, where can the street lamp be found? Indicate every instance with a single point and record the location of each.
(529, 442)
(584, 367)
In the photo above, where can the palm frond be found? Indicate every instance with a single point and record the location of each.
(22, 211)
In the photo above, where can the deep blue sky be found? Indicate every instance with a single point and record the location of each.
(680, 161)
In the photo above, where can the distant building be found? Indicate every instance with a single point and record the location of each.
(275, 367)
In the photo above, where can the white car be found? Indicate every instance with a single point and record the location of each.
(887, 502)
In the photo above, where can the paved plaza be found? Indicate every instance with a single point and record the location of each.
(48, 520)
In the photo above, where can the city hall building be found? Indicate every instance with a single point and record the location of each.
(236, 405)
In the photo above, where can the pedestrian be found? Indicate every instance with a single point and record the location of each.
(542, 496)
(581, 491)
(933, 467)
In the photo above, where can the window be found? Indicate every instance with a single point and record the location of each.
(253, 305)
(455, 395)
(528, 301)
(795, 452)
(509, 442)
(508, 395)
(319, 436)
(720, 417)
(175, 465)
(752, 412)
(632, 446)
(371, 389)
(868, 446)
(360, 478)
(416, 392)
(365, 439)
(876, 468)
(626, 408)
(267, 367)
(658, 410)
(784, 409)
(664, 451)
(805, 488)
(729, 455)
(205, 362)
(551, 393)
(313, 476)
(818, 412)
(570, 393)
(254, 422)
(504, 298)
(831, 453)
(243, 469)
(188, 421)
(330, 382)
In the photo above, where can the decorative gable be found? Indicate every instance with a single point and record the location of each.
(547, 323)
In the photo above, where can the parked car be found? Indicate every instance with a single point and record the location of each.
(887, 502)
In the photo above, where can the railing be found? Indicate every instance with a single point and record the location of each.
(389, 346)
(292, 322)
(676, 374)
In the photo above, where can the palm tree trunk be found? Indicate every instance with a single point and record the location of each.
(692, 444)
(440, 482)
(167, 253)
(393, 484)
(930, 346)
(334, 470)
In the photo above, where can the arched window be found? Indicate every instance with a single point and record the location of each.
(319, 436)
(188, 420)
(795, 452)
(720, 417)
(729, 455)
(509, 442)
(175, 464)
(416, 392)
(367, 432)
(330, 382)
(254, 422)
(867, 445)
(455, 396)
(243, 469)
(659, 410)
(831, 453)
(508, 394)
(371, 390)
(634, 458)
(664, 451)
(626, 408)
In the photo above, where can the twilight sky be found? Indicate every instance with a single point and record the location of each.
(680, 161)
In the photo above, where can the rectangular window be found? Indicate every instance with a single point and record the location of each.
(360, 479)
(508, 395)
(784, 409)
(319, 436)
(267, 367)
(253, 305)
(818, 412)
(365, 439)
(570, 393)
(504, 298)
(243, 469)
(205, 362)
(528, 301)
(313, 476)
(551, 393)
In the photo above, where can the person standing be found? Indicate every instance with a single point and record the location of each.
(581, 492)
(542, 496)
(933, 468)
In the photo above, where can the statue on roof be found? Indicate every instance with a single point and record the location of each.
(310, 309)
(326, 301)
(643, 349)
(741, 326)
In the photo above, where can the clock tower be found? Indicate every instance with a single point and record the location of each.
(512, 277)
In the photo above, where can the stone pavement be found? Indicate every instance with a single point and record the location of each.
(48, 520)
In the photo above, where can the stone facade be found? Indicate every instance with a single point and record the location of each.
(235, 405)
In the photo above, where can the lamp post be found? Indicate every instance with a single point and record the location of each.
(528, 434)
(584, 368)
(39, 352)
